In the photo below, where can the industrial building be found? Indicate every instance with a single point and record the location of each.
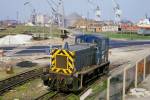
(96, 26)
(110, 28)
(127, 27)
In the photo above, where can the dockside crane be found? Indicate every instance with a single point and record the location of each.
(54, 11)
(96, 9)
(33, 12)
(117, 12)
(57, 11)
(58, 15)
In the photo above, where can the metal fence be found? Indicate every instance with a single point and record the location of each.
(128, 77)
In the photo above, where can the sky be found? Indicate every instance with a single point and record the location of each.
(133, 10)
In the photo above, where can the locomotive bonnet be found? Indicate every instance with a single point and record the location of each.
(73, 66)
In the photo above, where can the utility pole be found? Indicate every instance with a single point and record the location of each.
(17, 17)
(59, 14)
(8, 32)
(63, 15)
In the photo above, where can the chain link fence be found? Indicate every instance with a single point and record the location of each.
(128, 77)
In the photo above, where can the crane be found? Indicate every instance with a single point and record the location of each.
(54, 10)
(34, 14)
(96, 10)
(117, 11)
(58, 15)
(61, 13)
(57, 11)
(98, 13)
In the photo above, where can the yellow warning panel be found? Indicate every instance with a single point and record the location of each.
(62, 61)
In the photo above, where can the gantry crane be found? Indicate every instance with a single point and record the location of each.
(33, 14)
(117, 11)
(54, 10)
(58, 15)
(96, 8)
(57, 11)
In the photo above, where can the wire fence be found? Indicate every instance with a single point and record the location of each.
(129, 77)
(121, 81)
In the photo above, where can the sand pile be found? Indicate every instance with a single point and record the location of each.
(15, 39)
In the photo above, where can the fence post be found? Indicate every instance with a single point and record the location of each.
(108, 88)
(136, 71)
(144, 73)
(124, 83)
(50, 50)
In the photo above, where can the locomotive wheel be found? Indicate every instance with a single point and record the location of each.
(46, 82)
(106, 70)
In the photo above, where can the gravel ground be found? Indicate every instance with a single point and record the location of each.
(16, 70)
(32, 63)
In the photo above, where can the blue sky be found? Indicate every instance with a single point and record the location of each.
(132, 9)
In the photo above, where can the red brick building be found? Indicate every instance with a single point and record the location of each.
(126, 27)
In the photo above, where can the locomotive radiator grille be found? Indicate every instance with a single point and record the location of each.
(62, 61)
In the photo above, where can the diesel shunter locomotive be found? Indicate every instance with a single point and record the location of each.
(74, 66)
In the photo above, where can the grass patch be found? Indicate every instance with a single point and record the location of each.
(21, 29)
(0, 98)
(97, 89)
(124, 35)
(128, 36)
(73, 97)
(100, 87)
(27, 91)
(22, 87)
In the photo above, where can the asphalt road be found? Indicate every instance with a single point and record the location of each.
(45, 49)
(119, 43)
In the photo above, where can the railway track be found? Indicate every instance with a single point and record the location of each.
(20, 79)
(55, 95)
(47, 96)
(52, 95)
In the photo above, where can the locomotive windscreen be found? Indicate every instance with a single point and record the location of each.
(61, 61)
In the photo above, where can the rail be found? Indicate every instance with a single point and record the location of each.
(53, 95)
(20, 79)
(47, 96)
